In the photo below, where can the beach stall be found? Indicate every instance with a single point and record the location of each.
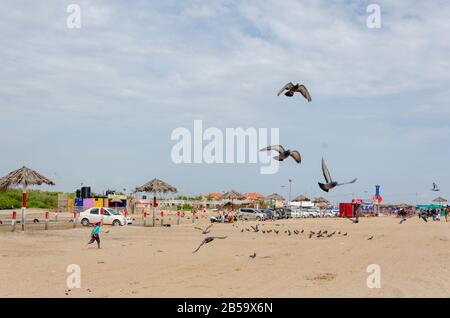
(351, 209)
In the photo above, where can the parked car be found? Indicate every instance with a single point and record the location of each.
(110, 216)
(296, 213)
(251, 214)
(270, 214)
(284, 213)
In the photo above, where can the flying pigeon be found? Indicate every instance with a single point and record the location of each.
(424, 218)
(209, 239)
(35, 221)
(283, 153)
(206, 230)
(291, 89)
(253, 255)
(370, 238)
(255, 228)
(330, 183)
(402, 220)
(435, 187)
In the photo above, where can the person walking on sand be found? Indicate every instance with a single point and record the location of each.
(95, 234)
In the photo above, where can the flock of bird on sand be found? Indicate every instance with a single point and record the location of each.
(268, 231)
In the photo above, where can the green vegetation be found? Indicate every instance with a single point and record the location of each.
(184, 207)
(198, 198)
(12, 199)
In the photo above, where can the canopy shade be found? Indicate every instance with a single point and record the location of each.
(321, 200)
(275, 196)
(156, 185)
(439, 200)
(300, 198)
(23, 177)
(116, 200)
(232, 195)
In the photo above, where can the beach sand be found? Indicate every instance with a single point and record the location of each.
(158, 262)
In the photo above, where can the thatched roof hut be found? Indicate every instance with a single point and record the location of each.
(232, 195)
(23, 177)
(321, 200)
(275, 196)
(440, 200)
(301, 198)
(156, 185)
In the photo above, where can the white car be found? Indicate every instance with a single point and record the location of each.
(110, 216)
(250, 214)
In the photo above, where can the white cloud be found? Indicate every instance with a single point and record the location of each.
(155, 66)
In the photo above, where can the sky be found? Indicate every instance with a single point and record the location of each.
(97, 104)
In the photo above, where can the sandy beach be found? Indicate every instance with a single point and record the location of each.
(158, 262)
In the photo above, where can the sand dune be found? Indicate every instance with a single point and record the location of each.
(158, 262)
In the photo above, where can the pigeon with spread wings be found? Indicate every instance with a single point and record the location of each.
(283, 154)
(290, 89)
(209, 239)
(435, 187)
(206, 230)
(330, 184)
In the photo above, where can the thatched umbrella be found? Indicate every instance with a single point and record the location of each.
(275, 196)
(116, 200)
(321, 200)
(23, 177)
(232, 195)
(155, 186)
(439, 200)
(301, 198)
